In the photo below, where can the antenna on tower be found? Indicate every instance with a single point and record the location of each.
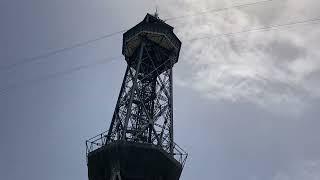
(156, 14)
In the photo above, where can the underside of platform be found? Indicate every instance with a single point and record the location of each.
(132, 161)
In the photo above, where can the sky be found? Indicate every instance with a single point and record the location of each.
(246, 105)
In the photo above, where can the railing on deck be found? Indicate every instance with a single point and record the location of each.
(101, 140)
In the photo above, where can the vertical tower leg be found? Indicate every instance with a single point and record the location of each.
(171, 109)
(115, 171)
(132, 92)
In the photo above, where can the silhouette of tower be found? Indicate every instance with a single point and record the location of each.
(139, 143)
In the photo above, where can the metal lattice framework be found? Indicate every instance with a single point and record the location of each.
(144, 109)
(142, 122)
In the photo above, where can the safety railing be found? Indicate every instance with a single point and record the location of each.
(101, 140)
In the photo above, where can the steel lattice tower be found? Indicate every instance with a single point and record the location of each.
(139, 143)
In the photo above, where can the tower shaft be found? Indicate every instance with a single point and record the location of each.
(143, 112)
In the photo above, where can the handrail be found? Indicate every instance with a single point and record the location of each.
(101, 140)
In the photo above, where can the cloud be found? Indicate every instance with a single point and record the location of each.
(307, 170)
(273, 69)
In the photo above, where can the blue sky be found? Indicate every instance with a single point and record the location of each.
(245, 107)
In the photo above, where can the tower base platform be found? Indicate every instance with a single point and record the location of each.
(123, 160)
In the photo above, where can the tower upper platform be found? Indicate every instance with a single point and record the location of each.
(154, 30)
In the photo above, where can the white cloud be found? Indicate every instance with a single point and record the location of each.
(272, 69)
(307, 170)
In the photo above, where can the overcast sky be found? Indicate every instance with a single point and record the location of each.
(246, 106)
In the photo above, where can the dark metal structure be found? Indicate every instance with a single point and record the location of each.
(139, 144)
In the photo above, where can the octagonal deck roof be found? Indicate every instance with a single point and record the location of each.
(153, 29)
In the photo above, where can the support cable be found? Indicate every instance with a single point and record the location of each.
(55, 52)
(80, 44)
(57, 74)
(259, 29)
(217, 10)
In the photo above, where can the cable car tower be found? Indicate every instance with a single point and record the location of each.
(139, 143)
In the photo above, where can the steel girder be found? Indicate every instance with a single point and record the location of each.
(144, 110)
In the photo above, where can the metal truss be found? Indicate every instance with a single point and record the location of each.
(144, 109)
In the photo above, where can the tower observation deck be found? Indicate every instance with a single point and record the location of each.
(139, 143)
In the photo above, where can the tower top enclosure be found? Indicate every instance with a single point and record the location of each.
(139, 144)
(157, 32)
